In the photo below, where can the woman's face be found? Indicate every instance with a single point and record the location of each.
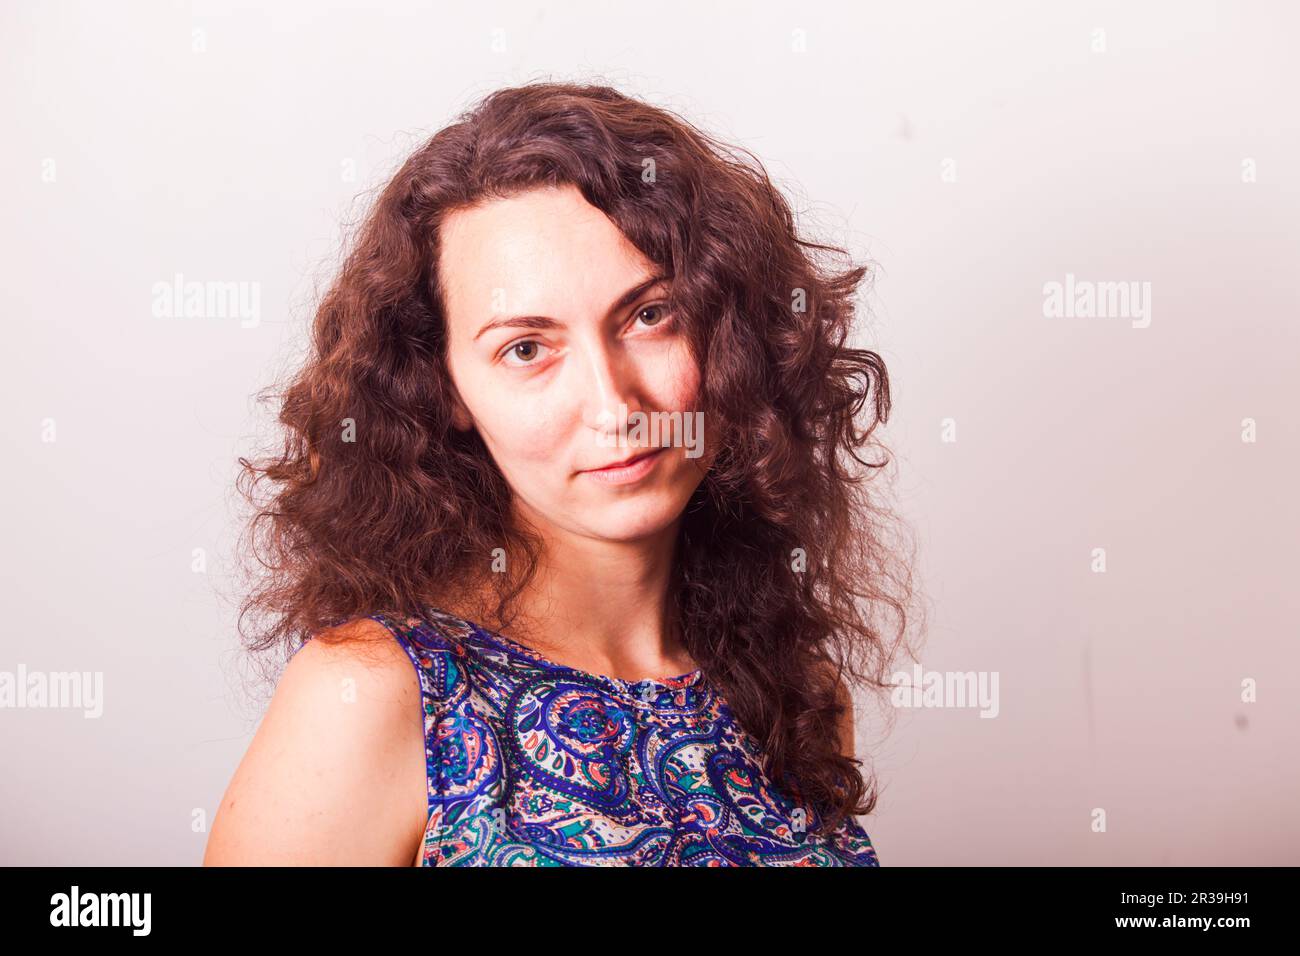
(556, 321)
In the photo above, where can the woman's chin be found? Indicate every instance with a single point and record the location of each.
(637, 516)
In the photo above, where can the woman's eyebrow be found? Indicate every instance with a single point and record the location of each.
(545, 322)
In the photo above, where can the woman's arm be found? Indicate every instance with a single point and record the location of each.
(335, 774)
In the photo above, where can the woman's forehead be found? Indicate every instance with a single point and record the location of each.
(545, 252)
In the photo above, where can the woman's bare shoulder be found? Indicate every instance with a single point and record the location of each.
(335, 774)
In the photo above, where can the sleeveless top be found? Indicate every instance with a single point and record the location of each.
(533, 763)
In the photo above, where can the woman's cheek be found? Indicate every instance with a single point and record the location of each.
(533, 431)
(683, 380)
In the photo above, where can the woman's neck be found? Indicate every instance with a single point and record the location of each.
(596, 605)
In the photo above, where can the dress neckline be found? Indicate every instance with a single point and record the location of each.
(634, 688)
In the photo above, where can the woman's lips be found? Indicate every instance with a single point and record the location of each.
(634, 470)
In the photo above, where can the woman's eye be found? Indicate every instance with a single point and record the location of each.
(657, 310)
(525, 350)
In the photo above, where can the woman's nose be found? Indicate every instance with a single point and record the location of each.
(608, 388)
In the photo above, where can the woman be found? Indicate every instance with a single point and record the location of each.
(511, 643)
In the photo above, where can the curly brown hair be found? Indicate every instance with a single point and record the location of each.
(785, 566)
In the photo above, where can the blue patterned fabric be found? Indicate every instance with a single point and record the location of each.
(532, 763)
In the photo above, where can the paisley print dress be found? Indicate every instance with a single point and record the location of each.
(533, 763)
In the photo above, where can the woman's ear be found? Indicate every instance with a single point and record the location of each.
(461, 419)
